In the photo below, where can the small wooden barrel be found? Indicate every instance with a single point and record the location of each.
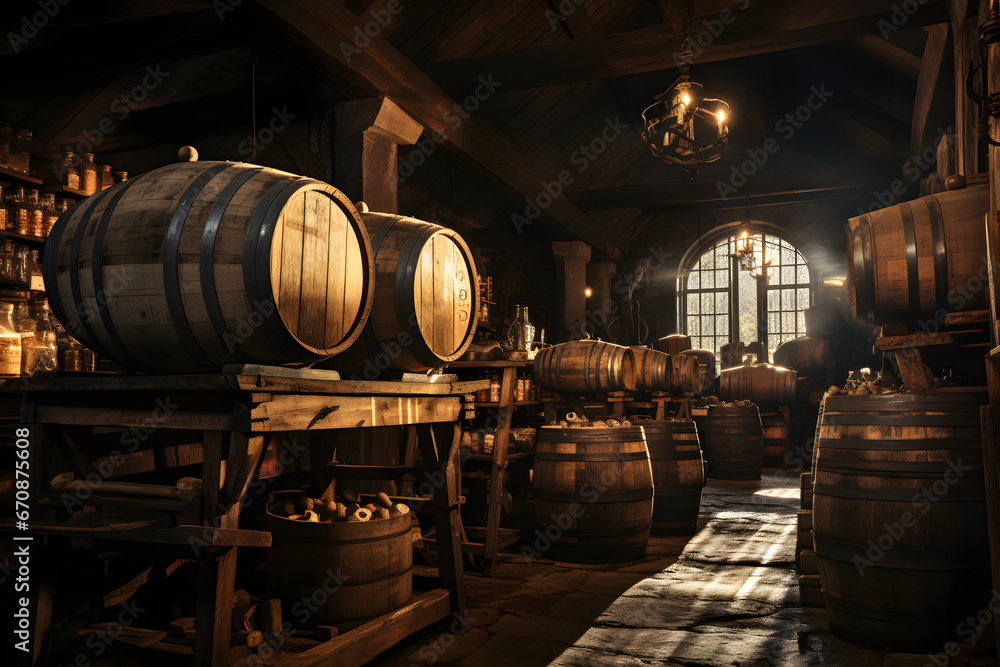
(678, 475)
(735, 445)
(686, 375)
(706, 371)
(426, 299)
(593, 493)
(764, 384)
(585, 368)
(193, 266)
(899, 518)
(363, 568)
(777, 438)
(653, 370)
(674, 344)
(906, 262)
(806, 356)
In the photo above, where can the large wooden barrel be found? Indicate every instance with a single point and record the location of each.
(585, 368)
(593, 494)
(734, 448)
(678, 474)
(807, 356)
(653, 370)
(764, 384)
(196, 265)
(426, 299)
(906, 262)
(899, 518)
(732, 354)
(706, 370)
(777, 438)
(363, 568)
(686, 375)
(674, 344)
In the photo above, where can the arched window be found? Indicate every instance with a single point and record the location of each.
(723, 299)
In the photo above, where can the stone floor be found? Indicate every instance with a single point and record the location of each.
(725, 596)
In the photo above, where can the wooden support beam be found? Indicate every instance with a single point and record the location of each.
(674, 15)
(327, 30)
(965, 35)
(927, 83)
(765, 28)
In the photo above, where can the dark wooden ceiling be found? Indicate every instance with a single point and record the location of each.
(560, 83)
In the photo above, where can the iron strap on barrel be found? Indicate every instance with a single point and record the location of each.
(897, 468)
(895, 615)
(864, 268)
(676, 456)
(76, 290)
(902, 558)
(97, 271)
(171, 273)
(912, 273)
(940, 244)
(607, 457)
(207, 261)
(603, 496)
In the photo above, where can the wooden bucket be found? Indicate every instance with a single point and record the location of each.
(806, 356)
(426, 299)
(777, 438)
(899, 518)
(196, 265)
(906, 262)
(764, 384)
(593, 493)
(363, 569)
(674, 344)
(735, 445)
(706, 371)
(585, 368)
(678, 475)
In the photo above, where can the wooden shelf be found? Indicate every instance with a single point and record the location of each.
(62, 190)
(31, 241)
(146, 531)
(517, 404)
(19, 176)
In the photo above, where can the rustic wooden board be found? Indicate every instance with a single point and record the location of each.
(304, 413)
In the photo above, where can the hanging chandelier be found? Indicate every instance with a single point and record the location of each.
(686, 125)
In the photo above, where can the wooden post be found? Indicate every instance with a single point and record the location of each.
(368, 135)
(964, 37)
(499, 471)
(570, 307)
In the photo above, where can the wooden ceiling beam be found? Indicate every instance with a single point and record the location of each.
(927, 83)
(674, 15)
(327, 31)
(766, 28)
(896, 57)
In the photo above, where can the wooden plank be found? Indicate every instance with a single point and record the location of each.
(993, 267)
(357, 647)
(764, 28)
(211, 471)
(927, 83)
(991, 470)
(500, 443)
(304, 413)
(912, 370)
(241, 466)
(146, 532)
(966, 317)
(134, 418)
(216, 578)
(957, 338)
(380, 69)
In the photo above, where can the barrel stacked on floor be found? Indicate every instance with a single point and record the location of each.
(899, 518)
(773, 390)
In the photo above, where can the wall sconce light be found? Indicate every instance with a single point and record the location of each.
(588, 292)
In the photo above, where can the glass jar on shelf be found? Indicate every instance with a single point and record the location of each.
(3, 209)
(494, 388)
(71, 179)
(21, 256)
(7, 260)
(40, 353)
(49, 215)
(20, 214)
(89, 181)
(121, 176)
(23, 323)
(36, 212)
(10, 342)
(105, 179)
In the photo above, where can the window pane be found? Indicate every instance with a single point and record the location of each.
(787, 299)
(787, 254)
(694, 329)
(721, 324)
(707, 326)
(694, 280)
(801, 322)
(803, 298)
(722, 302)
(802, 274)
(787, 275)
(788, 323)
(707, 302)
(773, 302)
(693, 304)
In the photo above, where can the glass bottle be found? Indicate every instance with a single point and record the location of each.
(7, 260)
(63, 205)
(36, 214)
(88, 175)
(3, 209)
(44, 323)
(21, 263)
(23, 138)
(22, 318)
(35, 281)
(107, 179)
(10, 342)
(122, 176)
(72, 178)
(20, 211)
(50, 214)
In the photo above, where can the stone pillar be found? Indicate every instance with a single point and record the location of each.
(369, 133)
(570, 303)
(601, 306)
